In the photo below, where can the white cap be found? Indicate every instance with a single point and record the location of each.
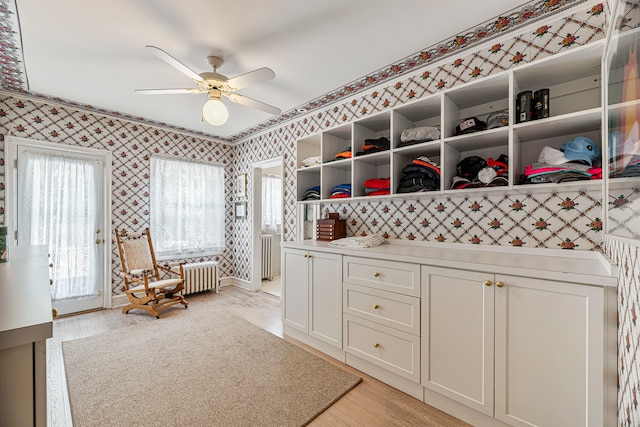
(551, 156)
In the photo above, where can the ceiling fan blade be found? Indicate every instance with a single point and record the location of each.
(250, 102)
(175, 63)
(252, 77)
(167, 91)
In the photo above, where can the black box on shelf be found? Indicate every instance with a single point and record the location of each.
(541, 104)
(523, 106)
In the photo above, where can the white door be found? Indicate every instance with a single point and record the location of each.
(295, 280)
(59, 202)
(325, 298)
(549, 353)
(458, 335)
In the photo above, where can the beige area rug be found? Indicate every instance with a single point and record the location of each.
(197, 370)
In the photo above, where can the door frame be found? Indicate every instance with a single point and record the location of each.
(11, 210)
(256, 218)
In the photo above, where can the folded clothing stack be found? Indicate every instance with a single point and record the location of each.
(344, 154)
(624, 153)
(359, 241)
(312, 193)
(374, 146)
(620, 169)
(311, 161)
(420, 134)
(377, 187)
(341, 191)
(576, 160)
(422, 174)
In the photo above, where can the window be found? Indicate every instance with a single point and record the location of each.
(271, 204)
(187, 207)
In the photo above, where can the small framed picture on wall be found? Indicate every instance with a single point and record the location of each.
(241, 185)
(241, 210)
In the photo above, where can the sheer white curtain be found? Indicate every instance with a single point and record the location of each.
(187, 207)
(271, 204)
(57, 207)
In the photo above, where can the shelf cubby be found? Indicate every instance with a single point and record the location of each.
(335, 173)
(405, 156)
(573, 79)
(335, 141)
(425, 112)
(308, 147)
(307, 178)
(477, 99)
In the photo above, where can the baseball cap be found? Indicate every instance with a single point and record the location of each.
(470, 166)
(470, 124)
(551, 156)
(498, 119)
(581, 149)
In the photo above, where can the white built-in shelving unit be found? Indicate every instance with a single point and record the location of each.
(574, 82)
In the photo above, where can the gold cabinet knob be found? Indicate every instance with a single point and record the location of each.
(376, 274)
(51, 265)
(50, 282)
(376, 306)
(98, 241)
(488, 283)
(499, 284)
(54, 312)
(376, 345)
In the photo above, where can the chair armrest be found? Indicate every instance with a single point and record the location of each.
(166, 268)
(174, 264)
(134, 275)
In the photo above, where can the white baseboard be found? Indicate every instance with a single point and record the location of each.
(119, 300)
(230, 280)
(122, 300)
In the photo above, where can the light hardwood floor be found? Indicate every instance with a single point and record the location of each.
(371, 403)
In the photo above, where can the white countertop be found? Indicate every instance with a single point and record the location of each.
(25, 302)
(585, 267)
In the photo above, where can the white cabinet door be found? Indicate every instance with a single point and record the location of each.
(549, 353)
(295, 283)
(458, 335)
(325, 297)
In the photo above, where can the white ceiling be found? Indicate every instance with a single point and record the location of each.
(93, 52)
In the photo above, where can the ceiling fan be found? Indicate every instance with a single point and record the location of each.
(216, 86)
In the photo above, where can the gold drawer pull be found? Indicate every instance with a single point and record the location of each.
(50, 282)
(376, 274)
(376, 306)
(488, 282)
(499, 284)
(54, 312)
(376, 345)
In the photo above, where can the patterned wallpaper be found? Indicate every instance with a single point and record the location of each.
(626, 254)
(132, 144)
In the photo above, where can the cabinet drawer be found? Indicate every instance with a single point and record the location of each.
(391, 349)
(390, 276)
(390, 309)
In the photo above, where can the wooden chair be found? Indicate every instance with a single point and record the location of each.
(142, 283)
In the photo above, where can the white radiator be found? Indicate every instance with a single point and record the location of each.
(200, 276)
(267, 272)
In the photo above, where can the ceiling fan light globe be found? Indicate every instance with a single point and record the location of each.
(215, 112)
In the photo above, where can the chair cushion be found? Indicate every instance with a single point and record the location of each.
(138, 254)
(158, 284)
